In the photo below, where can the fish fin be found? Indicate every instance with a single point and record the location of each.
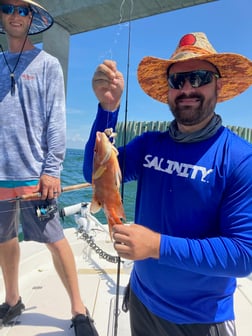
(114, 218)
(95, 206)
(118, 178)
(99, 172)
(115, 150)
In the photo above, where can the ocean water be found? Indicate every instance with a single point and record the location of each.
(72, 174)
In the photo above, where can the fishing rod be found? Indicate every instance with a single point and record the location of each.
(116, 324)
(38, 194)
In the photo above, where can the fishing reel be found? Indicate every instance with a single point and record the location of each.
(46, 212)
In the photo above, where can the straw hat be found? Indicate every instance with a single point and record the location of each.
(235, 69)
(41, 21)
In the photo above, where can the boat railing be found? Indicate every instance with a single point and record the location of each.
(90, 229)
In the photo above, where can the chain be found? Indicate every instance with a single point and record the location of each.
(90, 241)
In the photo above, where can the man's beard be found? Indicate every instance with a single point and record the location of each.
(189, 115)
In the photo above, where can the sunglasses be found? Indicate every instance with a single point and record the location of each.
(10, 9)
(196, 78)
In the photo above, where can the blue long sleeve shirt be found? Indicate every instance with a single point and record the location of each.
(199, 197)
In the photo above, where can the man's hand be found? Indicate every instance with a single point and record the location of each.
(49, 187)
(108, 85)
(136, 242)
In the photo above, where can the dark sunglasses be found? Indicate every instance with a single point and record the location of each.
(196, 78)
(10, 9)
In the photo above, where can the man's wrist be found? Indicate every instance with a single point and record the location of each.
(109, 107)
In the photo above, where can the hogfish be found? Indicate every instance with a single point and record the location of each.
(106, 180)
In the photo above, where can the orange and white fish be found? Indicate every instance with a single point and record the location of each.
(106, 180)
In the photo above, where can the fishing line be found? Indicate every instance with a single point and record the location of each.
(126, 95)
(14, 210)
(110, 53)
(124, 152)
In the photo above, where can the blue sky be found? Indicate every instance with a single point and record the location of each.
(228, 25)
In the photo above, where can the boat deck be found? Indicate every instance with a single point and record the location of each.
(47, 305)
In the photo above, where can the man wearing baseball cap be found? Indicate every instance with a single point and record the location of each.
(192, 235)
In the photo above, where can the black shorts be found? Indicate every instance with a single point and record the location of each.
(144, 323)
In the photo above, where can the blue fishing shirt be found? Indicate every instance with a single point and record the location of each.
(198, 196)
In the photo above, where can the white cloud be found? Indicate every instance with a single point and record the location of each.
(77, 136)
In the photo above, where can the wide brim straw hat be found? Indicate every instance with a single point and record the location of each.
(235, 69)
(41, 21)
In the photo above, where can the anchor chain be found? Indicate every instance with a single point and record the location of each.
(90, 241)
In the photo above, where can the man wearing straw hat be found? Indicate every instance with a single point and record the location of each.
(193, 231)
(32, 135)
